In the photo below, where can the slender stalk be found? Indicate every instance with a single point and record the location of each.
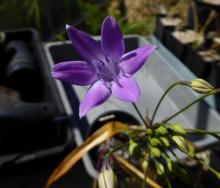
(144, 184)
(189, 105)
(161, 99)
(201, 132)
(139, 113)
(168, 181)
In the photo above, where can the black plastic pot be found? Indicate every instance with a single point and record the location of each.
(33, 121)
(197, 64)
(105, 118)
(174, 45)
(203, 11)
(159, 32)
(161, 29)
(214, 77)
(208, 4)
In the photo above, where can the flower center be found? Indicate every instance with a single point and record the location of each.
(108, 70)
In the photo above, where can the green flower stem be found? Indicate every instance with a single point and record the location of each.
(122, 146)
(174, 154)
(161, 99)
(168, 181)
(189, 105)
(139, 113)
(200, 131)
(144, 184)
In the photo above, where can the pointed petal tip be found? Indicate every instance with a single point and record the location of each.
(151, 47)
(67, 26)
(53, 72)
(155, 47)
(81, 115)
(82, 112)
(110, 18)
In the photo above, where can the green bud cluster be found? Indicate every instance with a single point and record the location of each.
(157, 140)
(160, 138)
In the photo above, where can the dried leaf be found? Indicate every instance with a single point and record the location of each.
(134, 171)
(101, 135)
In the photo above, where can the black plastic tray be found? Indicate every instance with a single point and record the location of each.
(36, 126)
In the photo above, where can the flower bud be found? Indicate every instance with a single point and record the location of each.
(165, 141)
(201, 86)
(161, 130)
(159, 168)
(107, 178)
(184, 145)
(154, 141)
(169, 165)
(177, 128)
(149, 131)
(144, 165)
(155, 151)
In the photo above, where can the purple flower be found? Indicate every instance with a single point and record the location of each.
(105, 67)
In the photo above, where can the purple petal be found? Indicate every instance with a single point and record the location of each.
(74, 72)
(95, 96)
(112, 39)
(126, 89)
(132, 61)
(86, 46)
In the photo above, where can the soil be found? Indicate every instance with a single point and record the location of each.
(8, 98)
(186, 37)
(212, 2)
(210, 55)
(171, 21)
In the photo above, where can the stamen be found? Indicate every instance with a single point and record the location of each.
(126, 75)
(117, 82)
(102, 62)
(108, 85)
(105, 75)
(107, 59)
